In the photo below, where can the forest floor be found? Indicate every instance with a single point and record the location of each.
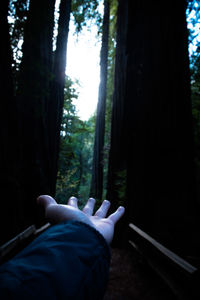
(132, 279)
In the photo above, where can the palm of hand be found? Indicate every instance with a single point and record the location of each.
(56, 213)
(104, 226)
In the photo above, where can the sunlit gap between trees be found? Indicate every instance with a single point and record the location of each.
(81, 95)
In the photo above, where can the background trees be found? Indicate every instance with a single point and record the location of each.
(76, 146)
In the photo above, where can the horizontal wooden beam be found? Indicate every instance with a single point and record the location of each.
(13, 246)
(16, 241)
(165, 251)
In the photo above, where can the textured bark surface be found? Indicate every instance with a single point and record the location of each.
(160, 168)
(98, 154)
(31, 169)
(117, 158)
(33, 96)
(56, 99)
(9, 148)
(151, 164)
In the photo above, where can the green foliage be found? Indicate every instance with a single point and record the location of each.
(83, 11)
(75, 157)
(17, 16)
(193, 14)
(193, 18)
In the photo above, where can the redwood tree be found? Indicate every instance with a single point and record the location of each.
(116, 184)
(30, 151)
(33, 95)
(98, 154)
(56, 99)
(158, 175)
(9, 150)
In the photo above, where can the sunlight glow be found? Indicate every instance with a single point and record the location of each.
(83, 64)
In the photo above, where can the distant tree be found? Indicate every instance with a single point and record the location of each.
(110, 86)
(76, 146)
(84, 11)
(97, 171)
(66, 181)
(87, 159)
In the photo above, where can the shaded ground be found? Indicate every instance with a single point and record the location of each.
(132, 279)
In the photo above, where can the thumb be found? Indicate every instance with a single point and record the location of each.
(45, 201)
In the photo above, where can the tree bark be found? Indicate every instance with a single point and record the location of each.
(157, 138)
(56, 101)
(9, 183)
(117, 165)
(98, 153)
(33, 95)
(160, 167)
(116, 191)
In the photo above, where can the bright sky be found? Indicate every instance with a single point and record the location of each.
(83, 64)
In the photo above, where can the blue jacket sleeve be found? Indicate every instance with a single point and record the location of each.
(68, 261)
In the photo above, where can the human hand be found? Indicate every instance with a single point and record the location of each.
(56, 213)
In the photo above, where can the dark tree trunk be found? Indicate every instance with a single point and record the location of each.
(117, 169)
(117, 159)
(55, 105)
(98, 154)
(30, 169)
(157, 136)
(9, 183)
(33, 96)
(159, 122)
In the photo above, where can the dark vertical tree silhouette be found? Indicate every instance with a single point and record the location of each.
(116, 184)
(56, 101)
(97, 172)
(157, 138)
(9, 163)
(33, 95)
(159, 120)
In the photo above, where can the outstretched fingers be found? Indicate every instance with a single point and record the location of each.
(73, 201)
(89, 207)
(103, 209)
(45, 200)
(117, 215)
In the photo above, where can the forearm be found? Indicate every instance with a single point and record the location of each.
(68, 261)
